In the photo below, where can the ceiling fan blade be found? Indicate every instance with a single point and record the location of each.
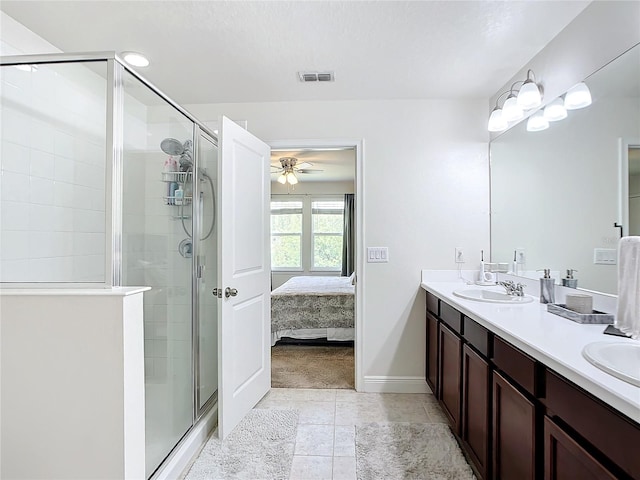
(307, 170)
(304, 165)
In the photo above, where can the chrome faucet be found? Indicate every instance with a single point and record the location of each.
(516, 290)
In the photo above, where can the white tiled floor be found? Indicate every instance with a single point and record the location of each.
(325, 442)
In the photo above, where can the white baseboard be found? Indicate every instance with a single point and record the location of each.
(175, 466)
(388, 384)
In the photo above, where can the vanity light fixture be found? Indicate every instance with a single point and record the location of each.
(529, 95)
(537, 122)
(517, 102)
(135, 59)
(577, 97)
(511, 111)
(555, 110)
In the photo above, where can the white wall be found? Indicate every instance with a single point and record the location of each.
(426, 191)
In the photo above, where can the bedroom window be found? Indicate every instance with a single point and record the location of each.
(286, 235)
(326, 231)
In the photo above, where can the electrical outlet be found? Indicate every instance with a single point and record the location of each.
(521, 258)
(459, 255)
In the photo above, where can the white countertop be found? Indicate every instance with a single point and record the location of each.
(555, 341)
(112, 291)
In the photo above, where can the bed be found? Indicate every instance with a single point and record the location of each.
(313, 307)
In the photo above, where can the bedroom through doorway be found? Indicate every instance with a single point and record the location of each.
(313, 260)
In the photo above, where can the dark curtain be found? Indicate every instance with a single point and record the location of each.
(349, 236)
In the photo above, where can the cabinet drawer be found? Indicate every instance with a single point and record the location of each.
(477, 336)
(451, 316)
(516, 364)
(432, 304)
(609, 432)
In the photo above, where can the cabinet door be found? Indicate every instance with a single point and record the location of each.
(564, 459)
(450, 361)
(432, 353)
(476, 384)
(513, 432)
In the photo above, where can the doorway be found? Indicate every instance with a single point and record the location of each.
(315, 242)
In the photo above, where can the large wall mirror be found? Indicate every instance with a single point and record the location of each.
(556, 194)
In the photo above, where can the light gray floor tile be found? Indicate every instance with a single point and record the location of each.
(407, 412)
(314, 440)
(344, 468)
(352, 413)
(316, 413)
(311, 468)
(344, 444)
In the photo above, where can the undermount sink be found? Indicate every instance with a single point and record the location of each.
(491, 296)
(622, 360)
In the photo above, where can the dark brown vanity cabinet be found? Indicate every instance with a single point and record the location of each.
(566, 459)
(476, 408)
(513, 432)
(432, 353)
(516, 418)
(450, 355)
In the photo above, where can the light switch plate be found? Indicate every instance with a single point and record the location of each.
(377, 254)
(605, 256)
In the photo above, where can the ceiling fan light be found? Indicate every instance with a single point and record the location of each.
(292, 179)
(529, 95)
(497, 123)
(577, 97)
(511, 111)
(537, 122)
(555, 110)
(282, 179)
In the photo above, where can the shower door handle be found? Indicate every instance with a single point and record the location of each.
(217, 292)
(230, 292)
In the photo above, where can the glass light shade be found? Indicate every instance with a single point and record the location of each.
(537, 122)
(135, 59)
(529, 96)
(578, 96)
(555, 110)
(291, 178)
(282, 179)
(511, 111)
(497, 123)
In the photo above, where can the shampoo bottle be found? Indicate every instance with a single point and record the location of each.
(547, 287)
(179, 195)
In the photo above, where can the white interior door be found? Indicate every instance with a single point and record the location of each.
(245, 264)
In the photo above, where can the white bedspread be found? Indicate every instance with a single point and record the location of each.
(316, 286)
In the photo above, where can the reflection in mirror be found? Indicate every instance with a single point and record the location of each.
(556, 194)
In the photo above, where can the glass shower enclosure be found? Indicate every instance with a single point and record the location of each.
(107, 182)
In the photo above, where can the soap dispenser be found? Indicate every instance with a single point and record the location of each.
(547, 287)
(569, 281)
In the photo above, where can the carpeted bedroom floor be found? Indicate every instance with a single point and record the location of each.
(310, 366)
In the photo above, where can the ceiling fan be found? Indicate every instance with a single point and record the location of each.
(289, 168)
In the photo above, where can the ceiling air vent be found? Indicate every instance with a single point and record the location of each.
(316, 76)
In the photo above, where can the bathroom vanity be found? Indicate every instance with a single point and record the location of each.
(520, 397)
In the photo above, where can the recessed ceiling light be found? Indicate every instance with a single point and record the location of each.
(135, 59)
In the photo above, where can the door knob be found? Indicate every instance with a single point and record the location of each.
(230, 292)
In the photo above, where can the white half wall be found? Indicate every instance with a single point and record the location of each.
(426, 191)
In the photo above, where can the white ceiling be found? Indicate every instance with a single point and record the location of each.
(242, 51)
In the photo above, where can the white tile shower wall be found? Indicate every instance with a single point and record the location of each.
(52, 223)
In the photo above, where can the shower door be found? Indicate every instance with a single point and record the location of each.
(206, 248)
